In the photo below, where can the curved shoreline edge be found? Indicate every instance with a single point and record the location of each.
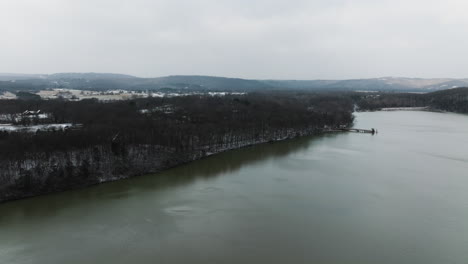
(156, 163)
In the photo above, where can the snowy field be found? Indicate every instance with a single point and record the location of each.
(113, 95)
(36, 128)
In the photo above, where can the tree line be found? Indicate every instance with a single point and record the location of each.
(121, 138)
(452, 100)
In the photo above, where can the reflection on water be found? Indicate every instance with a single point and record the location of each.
(224, 163)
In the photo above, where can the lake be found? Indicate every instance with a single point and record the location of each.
(400, 196)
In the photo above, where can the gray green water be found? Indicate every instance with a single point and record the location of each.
(397, 197)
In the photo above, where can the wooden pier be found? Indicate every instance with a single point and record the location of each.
(358, 130)
(355, 130)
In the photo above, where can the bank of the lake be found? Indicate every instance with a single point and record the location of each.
(396, 197)
(138, 160)
(121, 139)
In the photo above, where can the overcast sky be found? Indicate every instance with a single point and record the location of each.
(267, 39)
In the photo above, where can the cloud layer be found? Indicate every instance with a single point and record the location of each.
(278, 39)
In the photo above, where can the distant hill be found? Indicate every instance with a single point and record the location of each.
(110, 81)
(207, 83)
(451, 100)
(18, 76)
(88, 76)
(376, 84)
(93, 81)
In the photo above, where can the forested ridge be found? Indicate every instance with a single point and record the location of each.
(197, 83)
(452, 100)
(119, 139)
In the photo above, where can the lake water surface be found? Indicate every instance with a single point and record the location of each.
(400, 196)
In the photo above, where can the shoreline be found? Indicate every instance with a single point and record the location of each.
(158, 168)
(408, 109)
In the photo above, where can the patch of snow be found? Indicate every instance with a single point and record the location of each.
(33, 129)
(8, 95)
(167, 109)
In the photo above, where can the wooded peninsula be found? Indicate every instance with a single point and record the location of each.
(105, 141)
(59, 144)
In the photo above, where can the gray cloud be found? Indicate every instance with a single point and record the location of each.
(251, 39)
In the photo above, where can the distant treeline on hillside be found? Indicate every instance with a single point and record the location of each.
(452, 100)
(179, 83)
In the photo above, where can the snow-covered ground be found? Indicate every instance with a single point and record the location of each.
(405, 108)
(161, 94)
(7, 96)
(71, 94)
(6, 118)
(33, 129)
(112, 95)
(167, 109)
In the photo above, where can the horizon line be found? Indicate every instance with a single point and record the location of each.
(228, 77)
